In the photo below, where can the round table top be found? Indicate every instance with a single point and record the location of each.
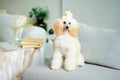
(8, 46)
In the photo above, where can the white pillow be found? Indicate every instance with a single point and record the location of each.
(100, 46)
(8, 26)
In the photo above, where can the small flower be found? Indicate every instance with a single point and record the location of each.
(20, 20)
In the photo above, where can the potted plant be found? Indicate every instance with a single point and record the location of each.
(51, 35)
(40, 14)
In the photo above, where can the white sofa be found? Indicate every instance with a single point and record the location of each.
(100, 48)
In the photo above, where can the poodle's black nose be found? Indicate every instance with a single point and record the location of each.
(66, 27)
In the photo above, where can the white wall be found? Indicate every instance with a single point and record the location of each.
(24, 6)
(100, 13)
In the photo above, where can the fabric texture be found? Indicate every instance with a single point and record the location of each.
(100, 46)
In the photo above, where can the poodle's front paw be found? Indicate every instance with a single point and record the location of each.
(69, 68)
(55, 67)
(80, 63)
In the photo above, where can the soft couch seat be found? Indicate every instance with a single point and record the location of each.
(88, 72)
(99, 46)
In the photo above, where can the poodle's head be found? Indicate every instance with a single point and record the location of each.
(66, 25)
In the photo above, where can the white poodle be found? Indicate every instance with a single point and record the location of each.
(66, 44)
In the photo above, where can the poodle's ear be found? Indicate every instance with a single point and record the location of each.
(58, 27)
(74, 31)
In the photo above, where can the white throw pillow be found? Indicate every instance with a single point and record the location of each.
(8, 25)
(100, 46)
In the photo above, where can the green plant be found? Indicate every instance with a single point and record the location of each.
(40, 14)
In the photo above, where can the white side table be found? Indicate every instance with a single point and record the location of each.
(10, 61)
(15, 60)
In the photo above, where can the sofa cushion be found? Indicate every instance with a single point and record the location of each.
(87, 72)
(8, 25)
(100, 46)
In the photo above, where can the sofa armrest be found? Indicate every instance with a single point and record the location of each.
(34, 32)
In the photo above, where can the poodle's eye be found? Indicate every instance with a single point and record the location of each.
(69, 23)
(64, 22)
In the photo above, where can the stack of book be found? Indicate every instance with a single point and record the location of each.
(32, 43)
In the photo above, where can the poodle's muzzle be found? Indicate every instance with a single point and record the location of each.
(67, 27)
